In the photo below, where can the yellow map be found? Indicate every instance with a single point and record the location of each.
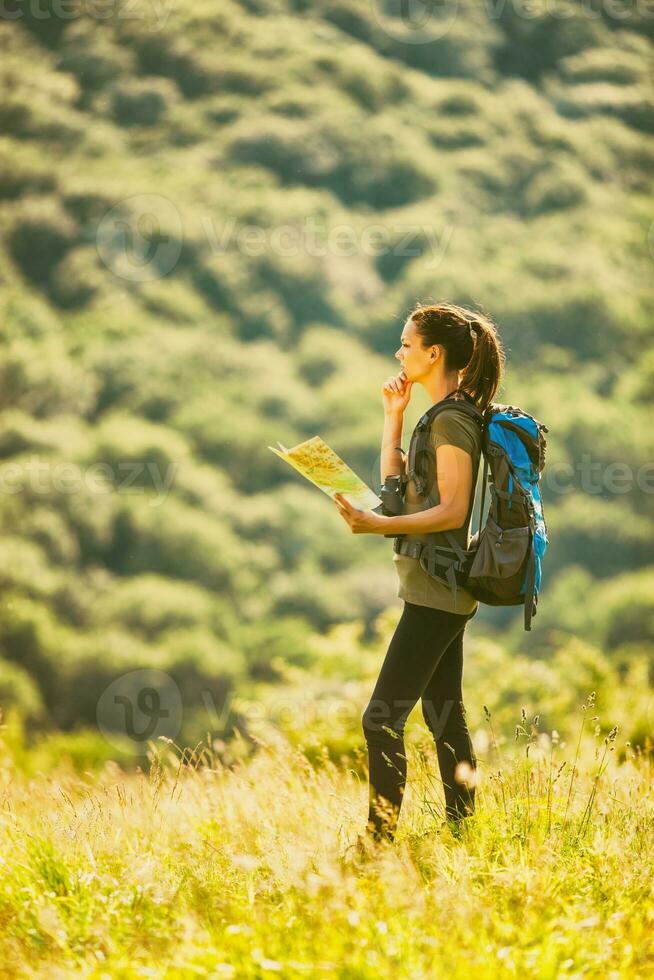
(316, 461)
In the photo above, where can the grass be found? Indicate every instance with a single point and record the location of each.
(195, 869)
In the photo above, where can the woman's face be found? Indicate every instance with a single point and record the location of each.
(414, 358)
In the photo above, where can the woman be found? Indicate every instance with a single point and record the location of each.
(450, 351)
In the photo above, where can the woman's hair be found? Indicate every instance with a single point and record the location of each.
(471, 343)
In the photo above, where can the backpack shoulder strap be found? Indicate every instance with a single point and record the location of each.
(419, 438)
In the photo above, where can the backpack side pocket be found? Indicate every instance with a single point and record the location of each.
(498, 568)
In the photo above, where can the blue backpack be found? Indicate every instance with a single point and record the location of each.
(502, 565)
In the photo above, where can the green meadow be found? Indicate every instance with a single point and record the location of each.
(213, 221)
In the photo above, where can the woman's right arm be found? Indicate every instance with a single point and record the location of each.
(391, 460)
(396, 393)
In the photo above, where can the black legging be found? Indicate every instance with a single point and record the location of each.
(424, 659)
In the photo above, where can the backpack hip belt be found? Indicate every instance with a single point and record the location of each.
(453, 562)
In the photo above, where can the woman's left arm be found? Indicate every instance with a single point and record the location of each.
(454, 477)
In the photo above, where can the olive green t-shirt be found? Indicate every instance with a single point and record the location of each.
(450, 427)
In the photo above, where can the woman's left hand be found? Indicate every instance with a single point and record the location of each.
(360, 521)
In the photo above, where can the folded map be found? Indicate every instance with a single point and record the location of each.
(316, 461)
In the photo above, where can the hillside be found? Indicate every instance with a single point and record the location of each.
(213, 220)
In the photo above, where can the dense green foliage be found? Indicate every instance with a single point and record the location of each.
(159, 331)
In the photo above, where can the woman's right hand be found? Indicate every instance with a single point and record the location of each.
(396, 393)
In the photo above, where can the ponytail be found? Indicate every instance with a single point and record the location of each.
(471, 343)
(483, 372)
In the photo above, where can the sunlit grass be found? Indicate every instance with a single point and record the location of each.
(195, 869)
